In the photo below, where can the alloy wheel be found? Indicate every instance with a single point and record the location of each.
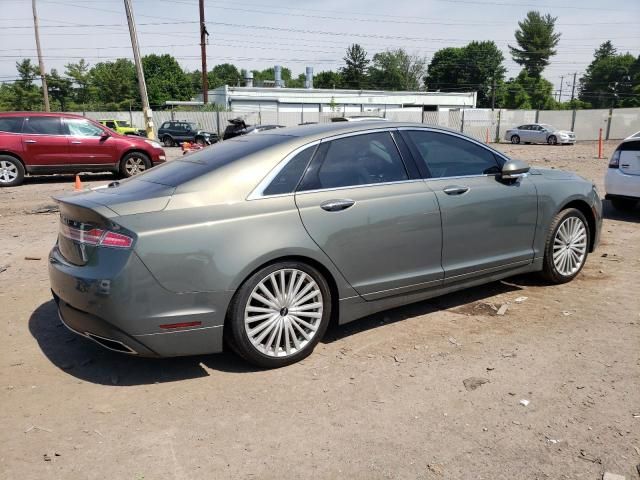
(283, 313)
(135, 165)
(8, 172)
(570, 246)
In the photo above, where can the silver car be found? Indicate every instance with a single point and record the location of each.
(258, 242)
(539, 133)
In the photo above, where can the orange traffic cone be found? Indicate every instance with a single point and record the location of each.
(78, 184)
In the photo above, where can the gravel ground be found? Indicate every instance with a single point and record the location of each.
(384, 397)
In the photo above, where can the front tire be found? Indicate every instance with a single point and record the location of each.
(567, 246)
(11, 171)
(279, 314)
(552, 140)
(134, 163)
(623, 204)
(515, 139)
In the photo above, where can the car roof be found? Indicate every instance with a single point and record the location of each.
(632, 138)
(39, 114)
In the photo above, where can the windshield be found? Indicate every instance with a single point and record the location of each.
(122, 123)
(194, 126)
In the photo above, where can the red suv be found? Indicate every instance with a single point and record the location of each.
(42, 143)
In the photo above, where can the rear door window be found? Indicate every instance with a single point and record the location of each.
(356, 160)
(43, 126)
(11, 124)
(450, 156)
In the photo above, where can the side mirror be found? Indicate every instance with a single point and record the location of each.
(104, 135)
(514, 169)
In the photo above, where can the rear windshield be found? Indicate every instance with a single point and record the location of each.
(627, 146)
(179, 171)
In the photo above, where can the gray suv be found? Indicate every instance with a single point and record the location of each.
(259, 241)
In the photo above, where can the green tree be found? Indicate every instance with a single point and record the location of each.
(26, 95)
(397, 70)
(354, 73)
(60, 90)
(525, 92)
(115, 84)
(610, 79)
(327, 79)
(79, 73)
(472, 67)
(7, 97)
(536, 40)
(224, 74)
(268, 74)
(165, 79)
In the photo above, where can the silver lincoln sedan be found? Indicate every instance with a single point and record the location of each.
(256, 243)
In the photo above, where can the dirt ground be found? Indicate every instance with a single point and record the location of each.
(381, 398)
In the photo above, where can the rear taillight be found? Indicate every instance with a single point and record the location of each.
(615, 159)
(96, 237)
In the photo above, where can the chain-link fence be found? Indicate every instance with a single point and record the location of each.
(484, 125)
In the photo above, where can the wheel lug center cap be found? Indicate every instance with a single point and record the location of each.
(284, 311)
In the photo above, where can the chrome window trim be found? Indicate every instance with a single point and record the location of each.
(258, 192)
(379, 184)
(459, 135)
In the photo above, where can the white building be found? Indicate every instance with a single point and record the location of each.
(276, 99)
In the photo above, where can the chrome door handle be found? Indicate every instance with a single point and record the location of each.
(75, 142)
(337, 205)
(30, 141)
(455, 190)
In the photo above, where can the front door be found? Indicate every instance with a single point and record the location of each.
(487, 224)
(43, 141)
(88, 144)
(380, 227)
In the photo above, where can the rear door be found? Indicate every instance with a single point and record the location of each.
(630, 157)
(44, 142)
(88, 145)
(372, 215)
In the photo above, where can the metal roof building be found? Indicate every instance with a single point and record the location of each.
(278, 99)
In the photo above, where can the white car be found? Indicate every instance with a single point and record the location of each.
(539, 133)
(622, 180)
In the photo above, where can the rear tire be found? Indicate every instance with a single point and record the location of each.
(272, 326)
(167, 141)
(133, 164)
(623, 204)
(515, 139)
(567, 246)
(11, 171)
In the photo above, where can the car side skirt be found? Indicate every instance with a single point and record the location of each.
(50, 169)
(353, 308)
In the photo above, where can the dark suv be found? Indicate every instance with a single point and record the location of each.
(44, 143)
(174, 132)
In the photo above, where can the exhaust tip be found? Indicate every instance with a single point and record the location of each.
(111, 344)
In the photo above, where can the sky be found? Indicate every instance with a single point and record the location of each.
(256, 34)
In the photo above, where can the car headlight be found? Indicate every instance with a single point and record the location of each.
(153, 143)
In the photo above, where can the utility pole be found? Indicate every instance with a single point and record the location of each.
(560, 94)
(573, 85)
(203, 53)
(493, 92)
(142, 85)
(43, 77)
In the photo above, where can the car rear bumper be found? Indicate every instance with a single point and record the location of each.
(619, 184)
(131, 313)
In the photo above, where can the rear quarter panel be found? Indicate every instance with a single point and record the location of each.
(11, 143)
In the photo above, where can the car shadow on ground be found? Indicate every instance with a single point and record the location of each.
(88, 361)
(611, 213)
(70, 178)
